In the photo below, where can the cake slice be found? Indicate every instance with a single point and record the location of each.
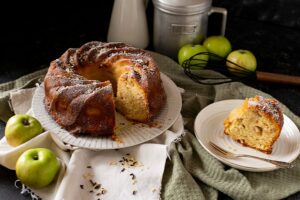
(256, 123)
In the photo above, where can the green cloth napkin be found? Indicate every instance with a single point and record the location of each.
(26, 81)
(192, 173)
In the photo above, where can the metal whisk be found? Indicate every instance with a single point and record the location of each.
(194, 66)
(224, 74)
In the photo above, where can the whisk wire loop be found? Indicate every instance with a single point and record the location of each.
(228, 71)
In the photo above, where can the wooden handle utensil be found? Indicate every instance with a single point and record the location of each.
(277, 78)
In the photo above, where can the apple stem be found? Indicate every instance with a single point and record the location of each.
(25, 122)
(35, 157)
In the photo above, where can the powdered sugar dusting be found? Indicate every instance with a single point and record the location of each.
(267, 105)
(72, 90)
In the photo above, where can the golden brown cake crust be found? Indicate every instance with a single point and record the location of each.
(256, 123)
(80, 86)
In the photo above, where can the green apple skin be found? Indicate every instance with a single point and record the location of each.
(243, 58)
(21, 128)
(188, 50)
(219, 45)
(37, 167)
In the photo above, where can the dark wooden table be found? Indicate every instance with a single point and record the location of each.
(36, 35)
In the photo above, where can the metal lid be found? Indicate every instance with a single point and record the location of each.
(183, 7)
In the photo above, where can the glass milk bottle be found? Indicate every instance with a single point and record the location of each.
(128, 23)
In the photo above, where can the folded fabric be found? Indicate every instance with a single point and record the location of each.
(9, 156)
(129, 173)
(192, 173)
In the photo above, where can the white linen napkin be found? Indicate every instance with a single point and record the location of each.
(129, 173)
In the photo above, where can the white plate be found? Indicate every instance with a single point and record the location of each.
(209, 127)
(127, 132)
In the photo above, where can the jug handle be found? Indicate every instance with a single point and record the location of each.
(222, 11)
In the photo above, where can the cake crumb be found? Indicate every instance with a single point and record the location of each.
(117, 139)
(155, 124)
(92, 186)
(88, 175)
(112, 163)
(129, 161)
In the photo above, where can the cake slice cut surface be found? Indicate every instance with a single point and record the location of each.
(256, 123)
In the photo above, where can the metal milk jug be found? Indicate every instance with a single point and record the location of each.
(178, 22)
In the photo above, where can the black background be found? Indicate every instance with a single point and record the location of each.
(33, 35)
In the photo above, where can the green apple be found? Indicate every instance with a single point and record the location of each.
(219, 45)
(21, 128)
(37, 167)
(243, 58)
(189, 50)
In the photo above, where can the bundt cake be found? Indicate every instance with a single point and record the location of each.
(85, 86)
(256, 123)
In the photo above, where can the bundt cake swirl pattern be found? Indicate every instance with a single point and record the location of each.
(85, 86)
